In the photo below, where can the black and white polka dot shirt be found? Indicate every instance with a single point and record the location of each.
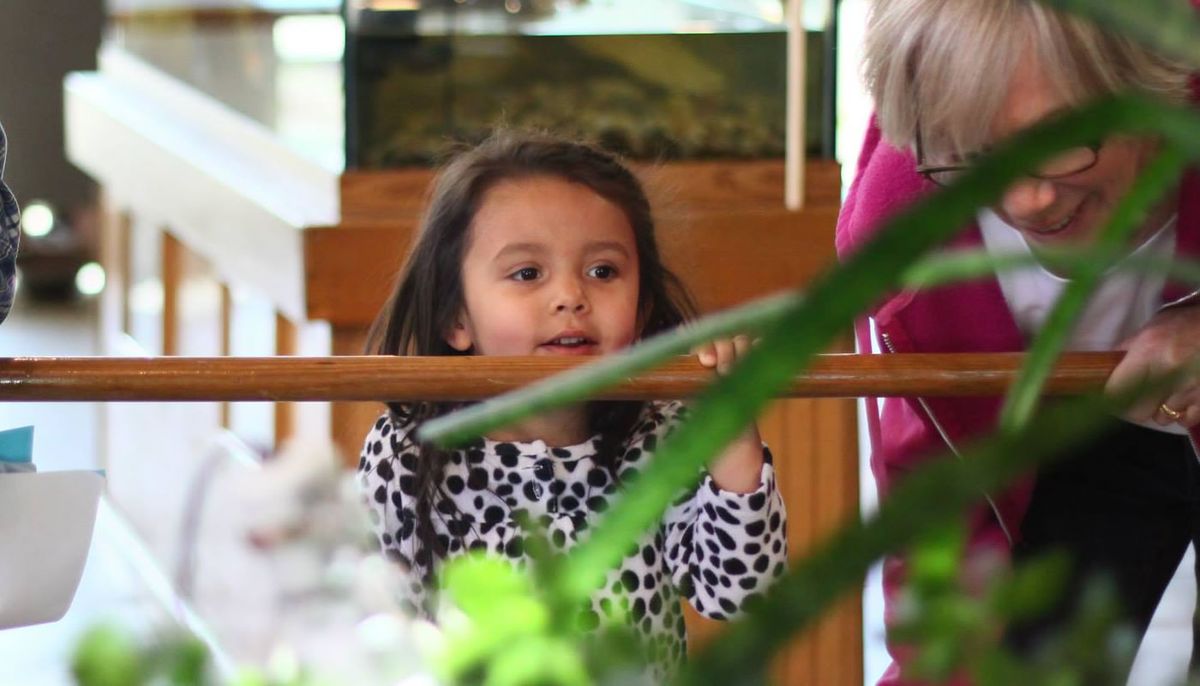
(714, 547)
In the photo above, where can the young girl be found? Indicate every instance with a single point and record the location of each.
(536, 246)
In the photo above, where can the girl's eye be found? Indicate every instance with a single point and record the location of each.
(603, 272)
(525, 274)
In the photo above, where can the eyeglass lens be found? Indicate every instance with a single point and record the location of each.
(1071, 161)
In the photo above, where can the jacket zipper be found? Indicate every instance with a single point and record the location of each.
(1181, 301)
(887, 342)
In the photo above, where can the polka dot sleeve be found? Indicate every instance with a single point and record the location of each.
(723, 547)
(386, 481)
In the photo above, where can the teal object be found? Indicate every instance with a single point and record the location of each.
(16, 445)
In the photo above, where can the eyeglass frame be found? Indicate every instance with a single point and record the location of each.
(927, 171)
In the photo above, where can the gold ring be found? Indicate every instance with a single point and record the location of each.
(1173, 414)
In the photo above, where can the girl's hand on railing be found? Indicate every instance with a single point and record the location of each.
(723, 352)
(739, 468)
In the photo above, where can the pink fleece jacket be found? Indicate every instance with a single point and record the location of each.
(969, 317)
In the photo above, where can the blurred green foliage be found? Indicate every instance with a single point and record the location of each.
(109, 655)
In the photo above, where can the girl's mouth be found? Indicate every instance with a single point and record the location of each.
(569, 345)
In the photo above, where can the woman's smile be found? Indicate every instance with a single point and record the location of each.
(1063, 226)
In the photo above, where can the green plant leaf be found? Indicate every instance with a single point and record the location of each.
(1032, 588)
(935, 560)
(184, 660)
(499, 611)
(540, 661)
(484, 585)
(108, 655)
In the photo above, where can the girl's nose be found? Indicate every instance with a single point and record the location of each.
(1028, 199)
(570, 297)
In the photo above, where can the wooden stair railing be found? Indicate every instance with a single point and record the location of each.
(472, 378)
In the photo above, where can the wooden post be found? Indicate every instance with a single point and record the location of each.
(285, 413)
(351, 420)
(797, 44)
(172, 277)
(226, 345)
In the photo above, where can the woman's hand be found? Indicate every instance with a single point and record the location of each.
(739, 468)
(1169, 342)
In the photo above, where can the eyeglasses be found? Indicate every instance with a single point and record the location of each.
(1067, 163)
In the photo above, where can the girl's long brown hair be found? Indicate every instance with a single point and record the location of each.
(428, 296)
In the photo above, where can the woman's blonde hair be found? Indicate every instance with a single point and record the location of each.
(945, 66)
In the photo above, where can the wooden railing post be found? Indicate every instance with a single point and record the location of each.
(285, 346)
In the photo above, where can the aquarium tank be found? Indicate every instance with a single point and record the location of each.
(662, 80)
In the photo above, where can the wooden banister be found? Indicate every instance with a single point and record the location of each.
(471, 378)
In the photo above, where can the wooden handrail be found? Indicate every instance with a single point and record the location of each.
(471, 378)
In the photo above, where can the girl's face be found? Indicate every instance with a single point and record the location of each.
(1073, 209)
(551, 268)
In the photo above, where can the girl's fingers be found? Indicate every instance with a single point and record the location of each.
(723, 352)
(706, 353)
(725, 355)
(742, 345)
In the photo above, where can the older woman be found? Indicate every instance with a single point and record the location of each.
(950, 79)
